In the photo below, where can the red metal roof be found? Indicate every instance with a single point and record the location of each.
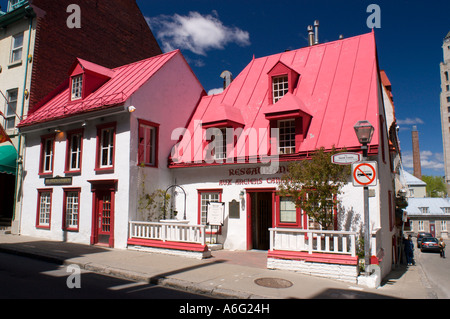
(123, 82)
(337, 87)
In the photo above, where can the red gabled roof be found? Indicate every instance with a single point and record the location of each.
(122, 83)
(337, 87)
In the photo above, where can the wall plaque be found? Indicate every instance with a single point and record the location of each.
(233, 209)
(58, 180)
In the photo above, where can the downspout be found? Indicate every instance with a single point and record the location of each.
(19, 146)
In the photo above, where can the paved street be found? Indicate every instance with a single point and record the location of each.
(436, 271)
(26, 278)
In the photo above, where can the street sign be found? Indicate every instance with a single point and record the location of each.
(345, 158)
(364, 174)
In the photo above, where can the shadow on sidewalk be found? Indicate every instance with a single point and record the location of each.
(333, 293)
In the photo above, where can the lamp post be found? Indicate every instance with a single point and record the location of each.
(364, 132)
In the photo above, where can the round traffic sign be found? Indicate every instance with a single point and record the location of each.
(364, 174)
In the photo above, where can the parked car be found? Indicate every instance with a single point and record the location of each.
(420, 236)
(429, 243)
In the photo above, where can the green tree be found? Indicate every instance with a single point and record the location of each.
(435, 186)
(315, 184)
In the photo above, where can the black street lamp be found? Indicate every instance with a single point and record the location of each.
(364, 131)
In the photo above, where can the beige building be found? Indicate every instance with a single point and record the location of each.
(445, 106)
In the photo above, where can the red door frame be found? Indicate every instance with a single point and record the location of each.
(98, 188)
(248, 192)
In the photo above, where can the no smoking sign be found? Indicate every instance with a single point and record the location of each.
(364, 174)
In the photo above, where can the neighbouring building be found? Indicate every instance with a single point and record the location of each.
(37, 47)
(416, 187)
(445, 106)
(96, 140)
(311, 97)
(430, 215)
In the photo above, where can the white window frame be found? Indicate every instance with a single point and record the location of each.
(16, 48)
(75, 152)
(421, 225)
(280, 86)
(148, 144)
(12, 97)
(205, 197)
(77, 87)
(48, 155)
(443, 225)
(286, 139)
(220, 145)
(45, 203)
(288, 211)
(424, 210)
(107, 148)
(72, 209)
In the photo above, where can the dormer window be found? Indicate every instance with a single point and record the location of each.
(287, 136)
(282, 80)
(77, 85)
(280, 86)
(424, 210)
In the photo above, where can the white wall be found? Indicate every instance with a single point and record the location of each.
(33, 181)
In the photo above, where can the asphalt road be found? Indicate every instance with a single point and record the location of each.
(436, 270)
(24, 278)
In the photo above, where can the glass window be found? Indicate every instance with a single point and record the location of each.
(75, 141)
(77, 85)
(107, 147)
(206, 197)
(220, 144)
(44, 208)
(72, 199)
(147, 145)
(287, 136)
(47, 155)
(11, 109)
(17, 46)
(288, 212)
(280, 86)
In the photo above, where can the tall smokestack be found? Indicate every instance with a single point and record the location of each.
(311, 35)
(316, 32)
(416, 153)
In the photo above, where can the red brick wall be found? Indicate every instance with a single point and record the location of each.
(112, 33)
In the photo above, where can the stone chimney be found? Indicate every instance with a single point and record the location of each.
(416, 153)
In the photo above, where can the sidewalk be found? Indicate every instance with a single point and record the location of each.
(225, 275)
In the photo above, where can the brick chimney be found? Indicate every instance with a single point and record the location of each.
(416, 153)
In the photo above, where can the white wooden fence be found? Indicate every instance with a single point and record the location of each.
(168, 232)
(313, 241)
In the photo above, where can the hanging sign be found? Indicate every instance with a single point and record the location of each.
(364, 174)
(214, 213)
(345, 158)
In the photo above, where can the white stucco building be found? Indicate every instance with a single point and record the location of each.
(90, 146)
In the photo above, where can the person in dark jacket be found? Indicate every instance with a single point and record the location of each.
(409, 251)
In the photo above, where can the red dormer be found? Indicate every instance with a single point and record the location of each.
(282, 80)
(85, 78)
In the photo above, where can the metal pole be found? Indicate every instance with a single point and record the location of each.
(366, 221)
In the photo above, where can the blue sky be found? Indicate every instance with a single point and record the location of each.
(224, 35)
(408, 42)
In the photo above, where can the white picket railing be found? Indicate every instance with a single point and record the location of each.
(313, 241)
(168, 232)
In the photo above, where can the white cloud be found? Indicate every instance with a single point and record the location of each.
(410, 121)
(195, 32)
(215, 91)
(428, 160)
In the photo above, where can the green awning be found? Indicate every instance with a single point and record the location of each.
(8, 159)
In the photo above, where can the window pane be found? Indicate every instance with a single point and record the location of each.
(288, 212)
(72, 211)
(44, 208)
(287, 136)
(280, 86)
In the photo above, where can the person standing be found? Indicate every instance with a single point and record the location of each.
(409, 251)
(442, 247)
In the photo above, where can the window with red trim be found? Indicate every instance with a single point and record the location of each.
(148, 143)
(74, 148)
(205, 196)
(44, 208)
(47, 155)
(71, 209)
(106, 135)
(290, 134)
(287, 214)
(77, 87)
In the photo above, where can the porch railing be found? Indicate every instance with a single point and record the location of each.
(168, 232)
(313, 241)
